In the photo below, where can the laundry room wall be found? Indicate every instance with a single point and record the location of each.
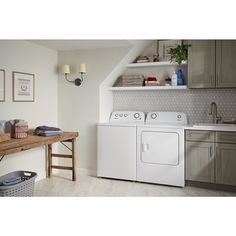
(195, 103)
(23, 56)
(79, 106)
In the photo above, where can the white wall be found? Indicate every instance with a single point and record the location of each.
(106, 97)
(17, 55)
(79, 106)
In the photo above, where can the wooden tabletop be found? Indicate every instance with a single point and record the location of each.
(33, 141)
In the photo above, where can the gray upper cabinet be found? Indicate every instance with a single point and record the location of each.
(201, 64)
(212, 64)
(226, 63)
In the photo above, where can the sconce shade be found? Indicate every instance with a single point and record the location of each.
(65, 69)
(82, 68)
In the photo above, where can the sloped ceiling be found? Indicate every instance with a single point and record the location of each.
(67, 45)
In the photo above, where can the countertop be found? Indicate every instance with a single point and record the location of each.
(212, 127)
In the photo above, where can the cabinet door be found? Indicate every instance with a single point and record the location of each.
(226, 164)
(200, 161)
(201, 64)
(226, 63)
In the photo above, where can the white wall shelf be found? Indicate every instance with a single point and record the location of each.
(150, 64)
(147, 88)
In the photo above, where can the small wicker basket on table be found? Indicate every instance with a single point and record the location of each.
(19, 130)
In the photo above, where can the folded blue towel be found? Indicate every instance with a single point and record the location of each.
(51, 133)
(11, 181)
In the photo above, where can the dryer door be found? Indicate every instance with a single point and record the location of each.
(160, 147)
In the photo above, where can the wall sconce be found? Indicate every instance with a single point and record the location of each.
(81, 71)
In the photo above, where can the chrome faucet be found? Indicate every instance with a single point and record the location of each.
(213, 113)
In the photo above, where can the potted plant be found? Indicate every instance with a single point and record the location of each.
(178, 55)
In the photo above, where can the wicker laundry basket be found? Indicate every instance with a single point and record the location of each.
(23, 189)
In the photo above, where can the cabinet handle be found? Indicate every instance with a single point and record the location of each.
(210, 151)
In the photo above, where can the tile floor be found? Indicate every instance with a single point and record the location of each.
(90, 186)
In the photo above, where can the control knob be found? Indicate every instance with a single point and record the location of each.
(136, 115)
(153, 115)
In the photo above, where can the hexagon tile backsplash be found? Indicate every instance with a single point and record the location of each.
(195, 103)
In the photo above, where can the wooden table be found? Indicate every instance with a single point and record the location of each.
(33, 141)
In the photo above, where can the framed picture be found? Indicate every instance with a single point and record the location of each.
(2, 85)
(23, 87)
(164, 48)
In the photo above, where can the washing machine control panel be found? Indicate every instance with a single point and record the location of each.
(166, 118)
(127, 117)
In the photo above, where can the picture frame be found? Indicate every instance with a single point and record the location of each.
(23, 87)
(164, 48)
(2, 85)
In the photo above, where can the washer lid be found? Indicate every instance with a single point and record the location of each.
(127, 117)
(166, 118)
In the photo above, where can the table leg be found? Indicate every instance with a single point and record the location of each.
(73, 160)
(49, 160)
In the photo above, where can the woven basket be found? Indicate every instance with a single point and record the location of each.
(19, 130)
(22, 189)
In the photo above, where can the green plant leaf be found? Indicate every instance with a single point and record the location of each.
(179, 53)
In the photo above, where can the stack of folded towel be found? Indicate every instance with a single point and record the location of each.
(47, 131)
(11, 181)
(132, 80)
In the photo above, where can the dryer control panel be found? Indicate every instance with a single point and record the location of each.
(166, 118)
(127, 117)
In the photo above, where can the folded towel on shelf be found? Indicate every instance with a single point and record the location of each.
(132, 80)
(47, 131)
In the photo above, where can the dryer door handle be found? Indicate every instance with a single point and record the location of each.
(145, 147)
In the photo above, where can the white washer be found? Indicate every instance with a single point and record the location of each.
(117, 150)
(160, 148)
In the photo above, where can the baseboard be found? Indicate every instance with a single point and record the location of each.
(220, 187)
(84, 171)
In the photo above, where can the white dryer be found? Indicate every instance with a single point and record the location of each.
(160, 148)
(117, 140)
